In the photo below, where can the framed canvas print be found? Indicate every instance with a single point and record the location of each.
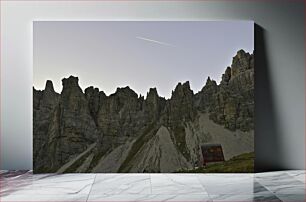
(143, 96)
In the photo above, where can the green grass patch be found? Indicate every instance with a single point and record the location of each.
(243, 163)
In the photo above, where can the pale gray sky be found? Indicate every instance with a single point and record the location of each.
(139, 54)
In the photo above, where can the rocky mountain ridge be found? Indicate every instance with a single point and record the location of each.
(77, 131)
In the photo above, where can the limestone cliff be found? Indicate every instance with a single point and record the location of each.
(77, 131)
(232, 102)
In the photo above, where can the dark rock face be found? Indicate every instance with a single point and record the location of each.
(93, 97)
(206, 96)
(44, 104)
(153, 106)
(67, 124)
(115, 116)
(232, 102)
(75, 129)
(181, 105)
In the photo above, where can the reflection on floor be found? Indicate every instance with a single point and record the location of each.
(272, 186)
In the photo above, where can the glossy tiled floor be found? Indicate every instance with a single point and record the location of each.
(272, 186)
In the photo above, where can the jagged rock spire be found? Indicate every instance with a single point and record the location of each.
(226, 76)
(49, 86)
(70, 82)
(152, 94)
(209, 82)
(241, 62)
(66, 125)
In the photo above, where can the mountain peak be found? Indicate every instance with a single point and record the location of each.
(91, 89)
(49, 86)
(210, 82)
(241, 62)
(240, 53)
(70, 82)
(182, 90)
(185, 85)
(226, 76)
(152, 92)
(125, 91)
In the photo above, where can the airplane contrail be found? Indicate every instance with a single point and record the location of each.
(155, 41)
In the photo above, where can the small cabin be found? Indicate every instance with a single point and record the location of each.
(212, 153)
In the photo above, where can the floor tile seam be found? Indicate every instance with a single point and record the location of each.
(210, 198)
(289, 179)
(91, 187)
(273, 186)
(253, 196)
(151, 184)
(173, 194)
(275, 193)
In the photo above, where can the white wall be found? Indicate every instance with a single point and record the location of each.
(280, 72)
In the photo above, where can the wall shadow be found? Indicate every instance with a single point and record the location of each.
(268, 153)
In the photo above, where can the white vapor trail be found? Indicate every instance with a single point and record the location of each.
(155, 41)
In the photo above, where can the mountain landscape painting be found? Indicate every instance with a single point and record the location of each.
(143, 97)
